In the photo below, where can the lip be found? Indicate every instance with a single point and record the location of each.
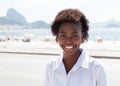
(69, 47)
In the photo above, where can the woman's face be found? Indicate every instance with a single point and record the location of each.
(70, 37)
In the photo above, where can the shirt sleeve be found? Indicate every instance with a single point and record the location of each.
(101, 79)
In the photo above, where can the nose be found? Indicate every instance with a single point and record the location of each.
(68, 40)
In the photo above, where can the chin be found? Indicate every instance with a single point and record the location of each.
(70, 52)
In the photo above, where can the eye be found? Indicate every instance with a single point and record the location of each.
(75, 35)
(62, 36)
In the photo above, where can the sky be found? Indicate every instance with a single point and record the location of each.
(46, 10)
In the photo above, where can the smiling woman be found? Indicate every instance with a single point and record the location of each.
(74, 67)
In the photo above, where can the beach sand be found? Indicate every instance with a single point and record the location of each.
(104, 49)
(29, 70)
(105, 45)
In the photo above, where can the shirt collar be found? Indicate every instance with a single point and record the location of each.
(59, 62)
(83, 61)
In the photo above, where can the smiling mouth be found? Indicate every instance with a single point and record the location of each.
(69, 47)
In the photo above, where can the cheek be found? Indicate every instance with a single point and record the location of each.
(60, 42)
(78, 40)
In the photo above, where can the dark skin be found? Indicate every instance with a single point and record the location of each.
(70, 37)
(69, 63)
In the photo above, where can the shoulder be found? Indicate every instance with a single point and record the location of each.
(52, 64)
(92, 62)
(97, 65)
(99, 71)
(95, 62)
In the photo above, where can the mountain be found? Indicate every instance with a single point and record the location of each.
(112, 23)
(39, 24)
(14, 18)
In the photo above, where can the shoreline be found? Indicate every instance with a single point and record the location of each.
(106, 49)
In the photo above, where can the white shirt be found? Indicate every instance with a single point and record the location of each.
(86, 72)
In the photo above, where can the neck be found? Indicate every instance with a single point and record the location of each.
(72, 56)
(70, 60)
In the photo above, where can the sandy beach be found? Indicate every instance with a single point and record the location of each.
(29, 70)
(104, 49)
(23, 63)
(105, 45)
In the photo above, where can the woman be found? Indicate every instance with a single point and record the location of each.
(74, 67)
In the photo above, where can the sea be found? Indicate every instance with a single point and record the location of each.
(107, 34)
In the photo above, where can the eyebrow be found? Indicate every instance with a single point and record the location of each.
(65, 33)
(62, 32)
(75, 33)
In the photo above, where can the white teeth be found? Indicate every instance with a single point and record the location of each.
(69, 47)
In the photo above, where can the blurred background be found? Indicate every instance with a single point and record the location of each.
(27, 45)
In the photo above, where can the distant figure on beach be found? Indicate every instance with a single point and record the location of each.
(74, 67)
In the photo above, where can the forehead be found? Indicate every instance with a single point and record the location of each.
(70, 27)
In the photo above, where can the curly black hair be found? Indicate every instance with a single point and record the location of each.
(70, 15)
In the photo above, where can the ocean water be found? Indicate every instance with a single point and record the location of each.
(108, 34)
